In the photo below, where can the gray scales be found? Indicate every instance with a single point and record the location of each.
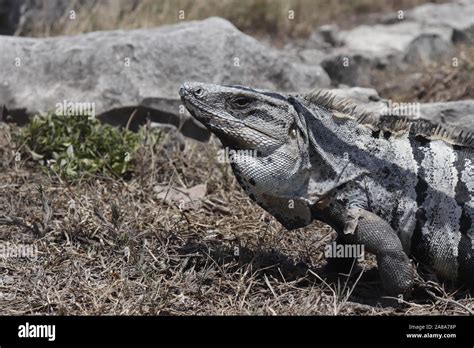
(398, 186)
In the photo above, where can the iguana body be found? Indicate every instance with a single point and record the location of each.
(398, 187)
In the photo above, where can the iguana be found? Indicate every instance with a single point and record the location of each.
(398, 186)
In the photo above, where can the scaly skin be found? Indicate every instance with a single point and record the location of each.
(398, 187)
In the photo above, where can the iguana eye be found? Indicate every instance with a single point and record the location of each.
(292, 132)
(241, 102)
(198, 92)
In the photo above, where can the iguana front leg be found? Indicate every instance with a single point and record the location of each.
(360, 226)
(395, 268)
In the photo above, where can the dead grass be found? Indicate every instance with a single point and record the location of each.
(257, 17)
(107, 246)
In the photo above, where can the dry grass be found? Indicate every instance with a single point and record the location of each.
(119, 250)
(257, 17)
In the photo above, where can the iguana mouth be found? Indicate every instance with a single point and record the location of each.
(204, 114)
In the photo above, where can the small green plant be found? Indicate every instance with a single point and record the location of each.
(75, 146)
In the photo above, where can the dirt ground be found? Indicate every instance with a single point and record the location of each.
(107, 246)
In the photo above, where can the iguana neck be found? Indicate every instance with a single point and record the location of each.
(334, 147)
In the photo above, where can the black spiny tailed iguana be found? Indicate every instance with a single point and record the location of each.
(399, 187)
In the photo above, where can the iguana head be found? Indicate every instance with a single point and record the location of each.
(243, 118)
(275, 174)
